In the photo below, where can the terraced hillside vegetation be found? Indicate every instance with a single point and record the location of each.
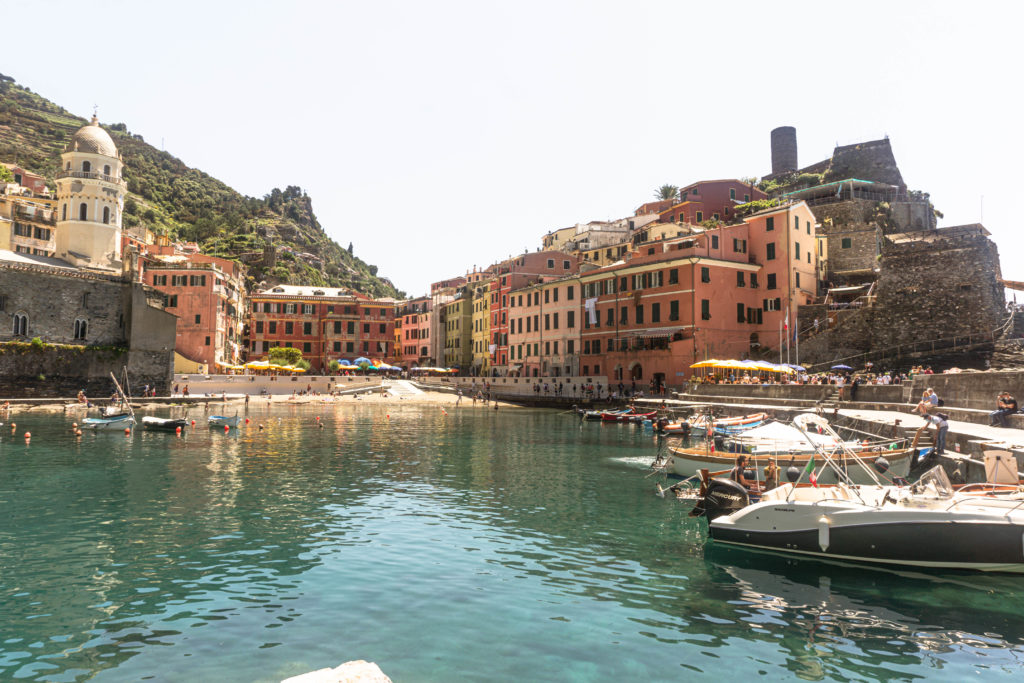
(170, 198)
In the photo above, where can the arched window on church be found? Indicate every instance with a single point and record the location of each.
(106, 170)
(86, 167)
(106, 214)
(64, 213)
(68, 167)
(83, 211)
(81, 327)
(20, 325)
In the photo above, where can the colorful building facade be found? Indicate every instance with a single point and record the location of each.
(325, 324)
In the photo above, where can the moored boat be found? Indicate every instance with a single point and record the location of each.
(725, 425)
(223, 420)
(927, 524)
(160, 424)
(113, 422)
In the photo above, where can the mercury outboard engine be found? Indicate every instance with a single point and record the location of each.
(723, 497)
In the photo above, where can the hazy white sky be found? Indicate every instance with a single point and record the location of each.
(440, 135)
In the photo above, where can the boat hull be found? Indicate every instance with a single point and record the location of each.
(99, 423)
(872, 536)
(224, 421)
(158, 425)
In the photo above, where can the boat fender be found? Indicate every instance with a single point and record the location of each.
(881, 464)
(823, 528)
(750, 474)
(792, 473)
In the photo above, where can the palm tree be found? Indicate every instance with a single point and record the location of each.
(667, 192)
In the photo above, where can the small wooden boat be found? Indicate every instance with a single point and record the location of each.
(113, 422)
(624, 415)
(224, 420)
(160, 424)
(725, 426)
(640, 418)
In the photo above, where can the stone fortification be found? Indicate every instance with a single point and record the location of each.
(932, 285)
(872, 160)
(109, 323)
(939, 284)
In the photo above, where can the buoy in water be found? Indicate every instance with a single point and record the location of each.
(28, 435)
(127, 431)
(226, 428)
(177, 430)
(74, 426)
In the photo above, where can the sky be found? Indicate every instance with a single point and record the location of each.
(441, 136)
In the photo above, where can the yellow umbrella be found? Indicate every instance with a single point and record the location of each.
(258, 364)
(705, 364)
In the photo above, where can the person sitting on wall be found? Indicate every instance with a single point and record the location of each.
(1006, 404)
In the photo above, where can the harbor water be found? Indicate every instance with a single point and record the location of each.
(467, 545)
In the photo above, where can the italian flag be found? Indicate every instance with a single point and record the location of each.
(809, 470)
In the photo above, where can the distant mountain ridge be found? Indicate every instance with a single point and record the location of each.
(173, 199)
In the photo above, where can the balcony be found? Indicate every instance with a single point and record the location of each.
(89, 175)
(47, 217)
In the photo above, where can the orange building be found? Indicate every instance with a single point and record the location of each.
(325, 324)
(724, 292)
(206, 293)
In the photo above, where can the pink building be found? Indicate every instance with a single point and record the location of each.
(414, 345)
(206, 294)
(513, 274)
(727, 293)
(544, 329)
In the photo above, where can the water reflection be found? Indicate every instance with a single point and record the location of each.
(461, 541)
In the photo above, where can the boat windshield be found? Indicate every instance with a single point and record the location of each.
(934, 484)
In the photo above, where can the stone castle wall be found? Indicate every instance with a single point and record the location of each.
(937, 289)
(62, 371)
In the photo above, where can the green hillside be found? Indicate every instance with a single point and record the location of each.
(172, 199)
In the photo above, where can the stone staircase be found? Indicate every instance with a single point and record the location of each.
(400, 388)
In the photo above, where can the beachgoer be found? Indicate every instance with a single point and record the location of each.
(1006, 404)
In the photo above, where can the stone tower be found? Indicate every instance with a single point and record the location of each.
(784, 150)
(90, 200)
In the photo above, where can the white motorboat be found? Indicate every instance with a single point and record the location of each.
(928, 524)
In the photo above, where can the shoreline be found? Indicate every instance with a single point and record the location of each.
(70, 406)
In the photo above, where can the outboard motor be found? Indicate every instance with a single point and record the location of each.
(662, 423)
(723, 497)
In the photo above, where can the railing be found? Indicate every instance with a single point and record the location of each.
(91, 176)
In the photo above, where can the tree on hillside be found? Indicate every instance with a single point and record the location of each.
(666, 192)
(350, 248)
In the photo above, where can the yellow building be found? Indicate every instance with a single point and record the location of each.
(458, 339)
(481, 321)
(603, 256)
(27, 224)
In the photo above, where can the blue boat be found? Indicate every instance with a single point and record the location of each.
(223, 420)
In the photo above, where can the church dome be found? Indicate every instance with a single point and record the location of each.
(93, 139)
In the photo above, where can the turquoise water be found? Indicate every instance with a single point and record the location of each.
(517, 545)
